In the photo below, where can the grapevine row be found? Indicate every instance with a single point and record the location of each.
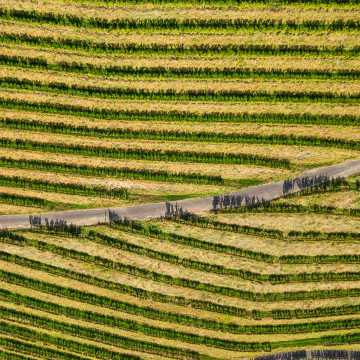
(175, 49)
(160, 277)
(151, 230)
(173, 115)
(152, 313)
(219, 269)
(174, 23)
(177, 135)
(182, 95)
(34, 350)
(146, 154)
(100, 336)
(32, 201)
(176, 72)
(228, 2)
(127, 325)
(124, 172)
(273, 233)
(287, 208)
(143, 346)
(131, 325)
(66, 344)
(122, 289)
(182, 282)
(62, 187)
(4, 355)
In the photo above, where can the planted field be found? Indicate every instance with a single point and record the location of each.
(211, 287)
(114, 104)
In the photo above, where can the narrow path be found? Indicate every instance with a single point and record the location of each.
(93, 216)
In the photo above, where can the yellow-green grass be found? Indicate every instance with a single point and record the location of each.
(283, 12)
(79, 200)
(301, 222)
(117, 331)
(325, 131)
(140, 190)
(152, 264)
(341, 199)
(199, 107)
(107, 275)
(266, 245)
(43, 296)
(226, 260)
(227, 171)
(232, 172)
(165, 307)
(245, 61)
(299, 155)
(166, 268)
(6, 209)
(273, 246)
(144, 191)
(342, 88)
(39, 344)
(149, 285)
(190, 5)
(110, 312)
(333, 39)
(78, 339)
(15, 352)
(182, 5)
(107, 311)
(64, 282)
(210, 351)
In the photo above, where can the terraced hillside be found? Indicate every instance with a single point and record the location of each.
(107, 103)
(218, 286)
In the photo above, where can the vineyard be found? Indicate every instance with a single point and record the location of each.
(113, 103)
(210, 286)
(109, 104)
